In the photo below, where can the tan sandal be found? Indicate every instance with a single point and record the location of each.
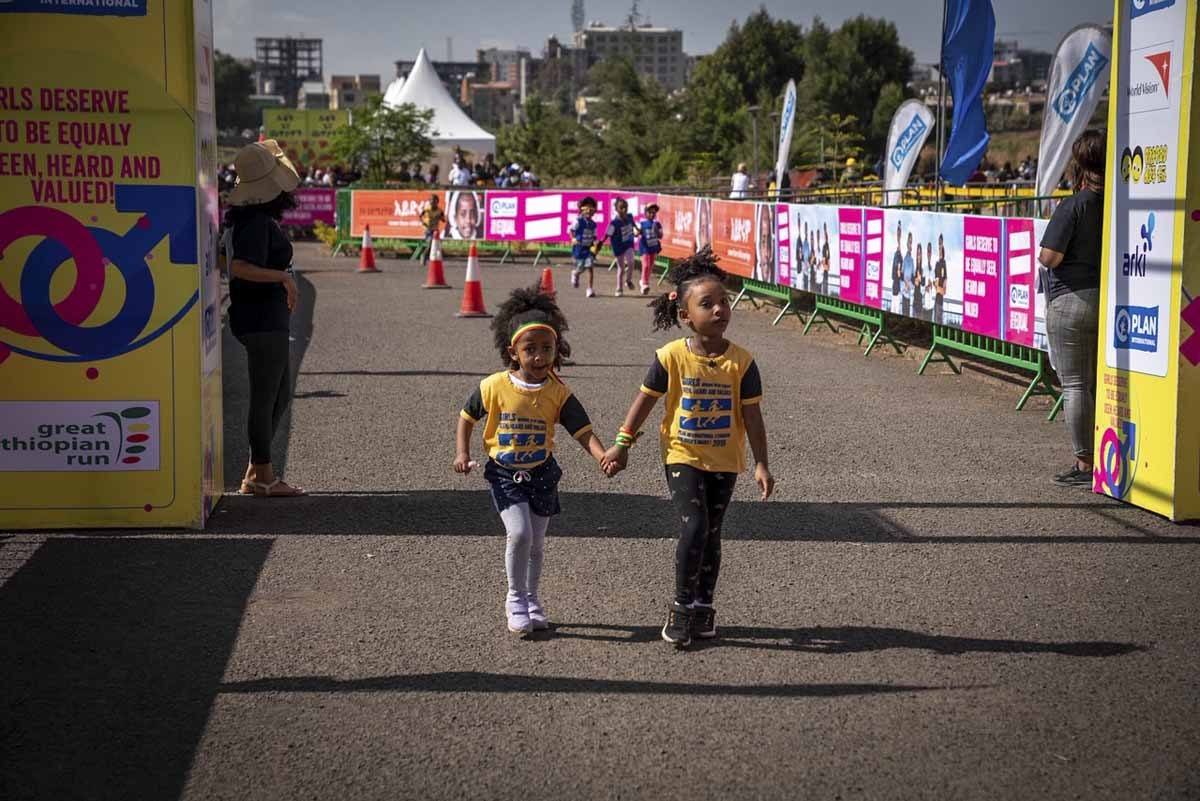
(247, 487)
(265, 490)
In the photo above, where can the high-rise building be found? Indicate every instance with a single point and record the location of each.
(654, 52)
(352, 91)
(283, 65)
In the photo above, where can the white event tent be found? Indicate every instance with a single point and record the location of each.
(451, 126)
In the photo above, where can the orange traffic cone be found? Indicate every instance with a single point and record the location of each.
(435, 278)
(366, 258)
(472, 299)
(547, 287)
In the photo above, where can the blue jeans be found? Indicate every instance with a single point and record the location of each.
(1072, 325)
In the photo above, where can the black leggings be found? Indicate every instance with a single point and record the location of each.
(268, 356)
(701, 499)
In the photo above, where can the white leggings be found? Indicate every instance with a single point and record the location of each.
(526, 547)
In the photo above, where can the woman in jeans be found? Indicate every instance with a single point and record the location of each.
(1071, 254)
(262, 296)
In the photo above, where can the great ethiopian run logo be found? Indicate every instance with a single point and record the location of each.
(72, 436)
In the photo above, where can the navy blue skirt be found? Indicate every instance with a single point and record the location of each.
(537, 487)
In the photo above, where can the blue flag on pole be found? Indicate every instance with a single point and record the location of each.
(969, 36)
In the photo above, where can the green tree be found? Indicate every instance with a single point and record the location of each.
(379, 137)
(849, 68)
(556, 146)
(890, 98)
(633, 118)
(233, 83)
(753, 64)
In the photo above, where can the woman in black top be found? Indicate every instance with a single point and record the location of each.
(262, 296)
(1071, 253)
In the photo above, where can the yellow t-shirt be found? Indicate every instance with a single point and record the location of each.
(702, 420)
(519, 433)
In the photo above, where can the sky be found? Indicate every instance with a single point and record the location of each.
(368, 36)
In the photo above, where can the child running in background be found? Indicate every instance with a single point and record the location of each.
(583, 248)
(649, 244)
(432, 218)
(622, 236)
(522, 404)
(712, 390)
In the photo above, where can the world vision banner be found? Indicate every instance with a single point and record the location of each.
(1148, 380)
(110, 379)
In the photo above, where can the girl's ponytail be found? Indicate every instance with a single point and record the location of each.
(666, 310)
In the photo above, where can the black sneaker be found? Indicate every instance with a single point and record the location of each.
(1074, 478)
(678, 630)
(704, 622)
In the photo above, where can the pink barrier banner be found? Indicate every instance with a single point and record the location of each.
(534, 216)
(1021, 281)
(850, 257)
(783, 235)
(873, 259)
(981, 275)
(313, 204)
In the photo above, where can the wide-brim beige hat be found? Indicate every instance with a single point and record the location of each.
(263, 174)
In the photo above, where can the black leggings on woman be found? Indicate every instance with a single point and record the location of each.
(701, 499)
(268, 357)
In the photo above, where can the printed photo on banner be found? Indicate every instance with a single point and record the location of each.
(765, 265)
(704, 226)
(815, 251)
(922, 273)
(677, 215)
(464, 209)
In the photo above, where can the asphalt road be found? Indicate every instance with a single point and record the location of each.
(918, 613)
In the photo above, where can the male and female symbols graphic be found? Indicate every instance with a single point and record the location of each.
(166, 211)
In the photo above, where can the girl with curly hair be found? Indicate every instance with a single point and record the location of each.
(522, 404)
(712, 390)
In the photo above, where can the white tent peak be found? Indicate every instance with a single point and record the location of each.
(451, 126)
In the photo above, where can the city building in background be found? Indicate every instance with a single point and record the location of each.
(283, 65)
(654, 52)
(352, 91)
(1016, 67)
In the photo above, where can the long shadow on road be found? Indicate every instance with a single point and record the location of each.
(468, 513)
(112, 654)
(479, 682)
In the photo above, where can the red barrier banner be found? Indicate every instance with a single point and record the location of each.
(733, 239)
(677, 215)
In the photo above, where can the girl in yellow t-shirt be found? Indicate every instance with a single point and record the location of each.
(712, 391)
(522, 404)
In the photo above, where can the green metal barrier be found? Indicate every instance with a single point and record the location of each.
(946, 339)
(825, 306)
(770, 294)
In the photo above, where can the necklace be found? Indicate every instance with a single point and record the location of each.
(711, 362)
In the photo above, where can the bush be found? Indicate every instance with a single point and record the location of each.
(327, 234)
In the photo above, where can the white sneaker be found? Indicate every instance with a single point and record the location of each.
(591, 293)
(645, 289)
(618, 293)
(518, 617)
(575, 279)
(537, 614)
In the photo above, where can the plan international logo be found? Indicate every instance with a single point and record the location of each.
(1136, 328)
(1140, 8)
(910, 136)
(1080, 82)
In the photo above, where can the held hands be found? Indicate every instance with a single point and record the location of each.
(614, 461)
(764, 479)
(463, 463)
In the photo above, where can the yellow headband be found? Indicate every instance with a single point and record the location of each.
(532, 327)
